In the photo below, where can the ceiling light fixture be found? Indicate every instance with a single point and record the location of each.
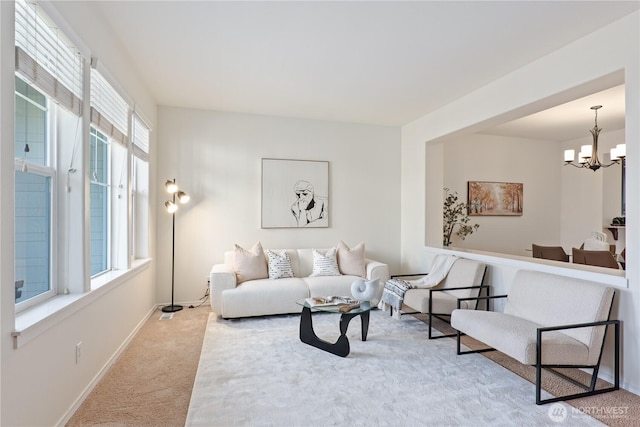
(588, 155)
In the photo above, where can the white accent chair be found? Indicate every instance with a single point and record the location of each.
(463, 280)
(550, 322)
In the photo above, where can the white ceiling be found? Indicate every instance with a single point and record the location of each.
(376, 62)
(569, 120)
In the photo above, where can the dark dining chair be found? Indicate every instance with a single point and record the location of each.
(555, 253)
(596, 258)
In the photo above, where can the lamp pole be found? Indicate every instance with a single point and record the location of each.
(173, 307)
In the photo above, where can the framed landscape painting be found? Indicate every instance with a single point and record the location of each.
(494, 198)
(295, 193)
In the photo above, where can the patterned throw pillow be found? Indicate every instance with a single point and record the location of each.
(325, 264)
(351, 261)
(279, 265)
(250, 264)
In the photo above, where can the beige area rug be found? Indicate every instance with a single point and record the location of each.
(256, 372)
(150, 383)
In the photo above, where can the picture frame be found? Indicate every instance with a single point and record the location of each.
(295, 193)
(486, 198)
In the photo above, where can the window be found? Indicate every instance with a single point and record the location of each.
(34, 178)
(99, 202)
(48, 76)
(110, 115)
(54, 158)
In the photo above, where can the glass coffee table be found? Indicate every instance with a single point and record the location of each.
(341, 346)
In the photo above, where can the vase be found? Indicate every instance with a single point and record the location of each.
(364, 290)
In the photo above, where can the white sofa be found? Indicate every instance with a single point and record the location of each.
(548, 321)
(262, 297)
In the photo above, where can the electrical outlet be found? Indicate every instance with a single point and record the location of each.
(78, 352)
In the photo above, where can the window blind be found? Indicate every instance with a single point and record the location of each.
(109, 111)
(46, 58)
(140, 139)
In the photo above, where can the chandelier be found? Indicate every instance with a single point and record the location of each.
(588, 155)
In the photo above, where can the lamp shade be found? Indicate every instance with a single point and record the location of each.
(183, 197)
(569, 155)
(622, 150)
(171, 207)
(582, 158)
(615, 153)
(171, 186)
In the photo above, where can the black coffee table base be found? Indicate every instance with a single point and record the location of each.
(341, 346)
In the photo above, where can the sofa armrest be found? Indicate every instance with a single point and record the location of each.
(480, 298)
(573, 326)
(461, 288)
(377, 270)
(380, 271)
(221, 277)
(393, 276)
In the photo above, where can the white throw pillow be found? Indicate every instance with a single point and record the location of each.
(279, 265)
(351, 261)
(250, 264)
(325, 264)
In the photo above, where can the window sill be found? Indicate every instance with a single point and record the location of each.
(36, 320)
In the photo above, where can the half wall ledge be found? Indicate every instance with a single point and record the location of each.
(608, 276)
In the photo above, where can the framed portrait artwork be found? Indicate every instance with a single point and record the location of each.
(495, 198)
(295, 193)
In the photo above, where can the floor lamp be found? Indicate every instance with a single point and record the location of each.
(172, 207)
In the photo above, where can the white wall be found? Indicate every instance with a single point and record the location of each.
(565, 73)
(41, 382)
(216, 158)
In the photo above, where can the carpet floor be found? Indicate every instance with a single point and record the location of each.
(150, 383)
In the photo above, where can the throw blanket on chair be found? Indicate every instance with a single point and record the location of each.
(394, 289)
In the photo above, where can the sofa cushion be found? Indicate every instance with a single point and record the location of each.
(443, 302)
(279, 265)
(351, 261)
(516, 337)
(263, 297)
(250, 264)
(323, 286)
(325, 264)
